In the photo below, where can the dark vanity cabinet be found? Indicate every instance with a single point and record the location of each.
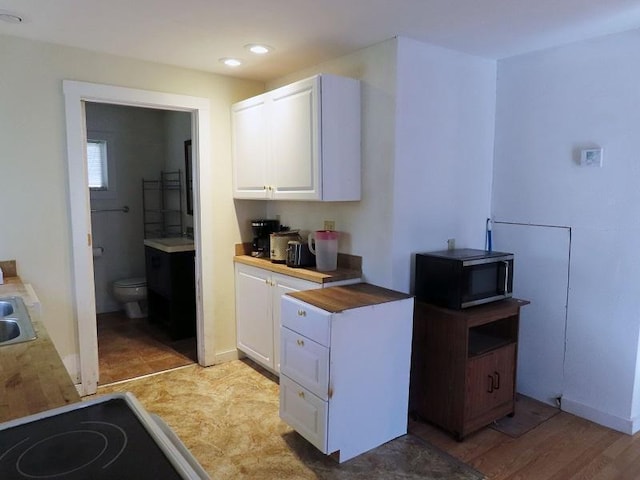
(171, 291)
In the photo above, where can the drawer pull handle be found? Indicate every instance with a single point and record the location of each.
(300, 343)
(301, 394)
(302, 313)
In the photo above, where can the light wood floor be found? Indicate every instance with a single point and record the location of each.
(130, 348)
(565, 447)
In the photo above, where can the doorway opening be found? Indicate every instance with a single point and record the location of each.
(76, 96)
(139, 193)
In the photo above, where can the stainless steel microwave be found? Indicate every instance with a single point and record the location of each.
(462, 278)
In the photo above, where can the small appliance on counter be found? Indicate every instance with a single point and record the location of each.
(279, 242)
(299, 255)
(324, 245)
(262, 229)
(112, 436)
(462, 278)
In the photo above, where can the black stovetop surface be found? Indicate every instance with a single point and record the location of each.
(101, 441)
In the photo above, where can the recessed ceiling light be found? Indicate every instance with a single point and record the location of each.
(231, 62)
(10, 18)
(258, 49)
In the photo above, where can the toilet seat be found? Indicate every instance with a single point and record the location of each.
(131, 282)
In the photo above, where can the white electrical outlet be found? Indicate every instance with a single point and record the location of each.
(451, 244)
(329, 225)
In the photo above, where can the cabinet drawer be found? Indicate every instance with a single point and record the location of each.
(305, 412)
(307, 320)
(305, 361)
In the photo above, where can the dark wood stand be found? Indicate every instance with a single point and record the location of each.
(463, 364)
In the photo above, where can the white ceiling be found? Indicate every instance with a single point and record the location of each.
(196, 33)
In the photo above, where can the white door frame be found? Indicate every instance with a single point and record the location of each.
(76, 93)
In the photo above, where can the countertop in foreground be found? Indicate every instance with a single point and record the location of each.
(32, 376)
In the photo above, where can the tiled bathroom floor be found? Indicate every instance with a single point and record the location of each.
(130, 348)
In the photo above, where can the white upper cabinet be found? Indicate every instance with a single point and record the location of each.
(249, 124)
(295, 152)
(299, 142)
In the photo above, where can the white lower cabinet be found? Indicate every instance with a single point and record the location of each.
(258, 293)
(344, 375)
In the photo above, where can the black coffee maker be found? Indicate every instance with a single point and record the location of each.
(260, 246)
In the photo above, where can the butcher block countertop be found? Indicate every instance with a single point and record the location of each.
(338, 299)
(32, 375)
(349, 268)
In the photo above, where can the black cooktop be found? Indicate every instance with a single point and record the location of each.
(103, 440)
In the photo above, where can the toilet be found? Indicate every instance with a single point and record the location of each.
(132, 293)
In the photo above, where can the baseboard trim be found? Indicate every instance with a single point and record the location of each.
(228, 356)
(624, 425)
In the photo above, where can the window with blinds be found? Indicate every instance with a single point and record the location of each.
(97, 164)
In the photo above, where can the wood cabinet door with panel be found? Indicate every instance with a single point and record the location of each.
(490, 381)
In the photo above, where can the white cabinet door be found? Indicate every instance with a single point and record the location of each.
(295, 154)
(254, 314)
(283, 284)
(299, 142)
(250, 149)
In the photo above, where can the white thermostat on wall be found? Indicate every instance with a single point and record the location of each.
(591, 157)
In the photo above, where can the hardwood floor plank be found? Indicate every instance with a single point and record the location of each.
(626, 461)
(568, 446)
(591, 462)
(565, 447)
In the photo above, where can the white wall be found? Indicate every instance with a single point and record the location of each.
(445, 116)
(550, 105)
(34, 173)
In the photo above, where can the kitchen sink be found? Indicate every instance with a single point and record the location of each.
(9, 330)
(5, 308)
(15, 322)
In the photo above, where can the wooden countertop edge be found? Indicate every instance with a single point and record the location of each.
(32, 376)
(309, 274)
(347, 297)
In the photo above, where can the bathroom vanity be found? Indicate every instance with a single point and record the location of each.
(171, 288)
